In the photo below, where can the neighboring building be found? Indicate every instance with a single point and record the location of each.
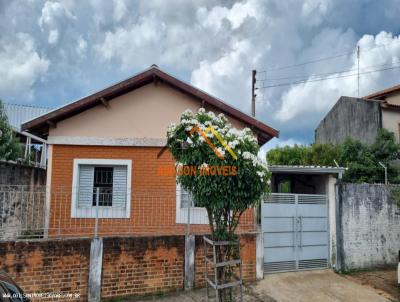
(361, 118)
(35, 147)
(106, 148)
(18, 114)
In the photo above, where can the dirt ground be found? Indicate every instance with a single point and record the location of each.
(384, 281)
(315, 286)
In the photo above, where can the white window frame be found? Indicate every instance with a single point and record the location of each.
(198, 215)
(104, 212)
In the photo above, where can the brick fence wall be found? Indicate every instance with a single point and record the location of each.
(143, 265)
(48, 266)
(132, 266)
(247, 254)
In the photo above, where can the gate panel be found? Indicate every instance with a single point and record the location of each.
(278, 226)
(295, 228)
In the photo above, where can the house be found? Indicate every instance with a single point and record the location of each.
(105, 148)
(361, 118)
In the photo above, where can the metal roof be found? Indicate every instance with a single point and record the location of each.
(307, 169)
(18, 114)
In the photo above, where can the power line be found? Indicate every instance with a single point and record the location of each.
(306, 63)
(329, 58)
(325, 74)
(327, 78)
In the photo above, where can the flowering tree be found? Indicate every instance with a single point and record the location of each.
(225, 180)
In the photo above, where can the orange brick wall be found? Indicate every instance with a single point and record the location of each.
(51, 266)
(144, 265)
(247, 254)
(132, 266)
(153, 198)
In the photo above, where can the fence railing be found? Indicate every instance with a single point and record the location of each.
(40, 212)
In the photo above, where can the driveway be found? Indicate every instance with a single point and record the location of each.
(318, 285)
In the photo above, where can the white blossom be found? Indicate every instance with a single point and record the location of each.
(187, 112)
(221, 151)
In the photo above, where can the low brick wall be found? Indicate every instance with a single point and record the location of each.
(247, 254)
(132, 266)
(143, 265)
(53, 266)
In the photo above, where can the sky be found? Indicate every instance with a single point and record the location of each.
(54, 52)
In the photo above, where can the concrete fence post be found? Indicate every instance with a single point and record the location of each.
(95, 267)
(339, 231)
(189, 261)
(260, 256)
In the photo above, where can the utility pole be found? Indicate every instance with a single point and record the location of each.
(358, 70)
(253, 93)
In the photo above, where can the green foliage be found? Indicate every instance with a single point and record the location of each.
(395, 195)
(10, 148)
(224, 197)
(304, 155)
(295, 155)
(361, 160)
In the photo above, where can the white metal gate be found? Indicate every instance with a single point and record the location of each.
(295, 229)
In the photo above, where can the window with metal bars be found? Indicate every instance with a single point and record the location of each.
(103, 186)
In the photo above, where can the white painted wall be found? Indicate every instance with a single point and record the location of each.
(370, 226)
(391, 121)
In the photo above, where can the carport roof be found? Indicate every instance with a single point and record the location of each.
(307, 169)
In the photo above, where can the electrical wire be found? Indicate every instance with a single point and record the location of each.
(327, 78)
(306, 63)
(324, 74)
(363, 49)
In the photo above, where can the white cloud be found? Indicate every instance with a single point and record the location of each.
(141, 40)
(52, 11)
(305, 99)
(52, 18)
(313, 11)
(213, 43)
(215, 17)
(229, 68)
(53, 36)
(81, 46)
(120, 10)
(22, 67)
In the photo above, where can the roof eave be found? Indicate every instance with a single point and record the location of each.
(306, 169)
(40, 126)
